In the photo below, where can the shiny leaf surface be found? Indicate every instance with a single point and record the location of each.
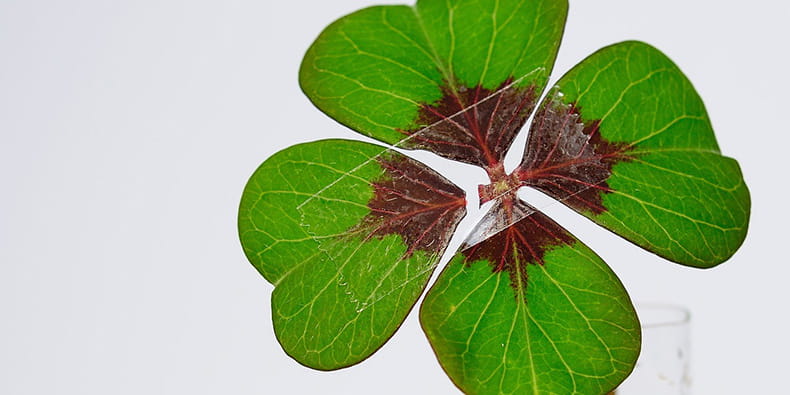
(531, 310)
(349, 233)
(625, 139)
(458, 78)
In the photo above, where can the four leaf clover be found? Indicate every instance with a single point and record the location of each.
(350, 232)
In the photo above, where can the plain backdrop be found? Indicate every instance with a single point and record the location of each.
(129, 128)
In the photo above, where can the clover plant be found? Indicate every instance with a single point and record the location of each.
(350, 232)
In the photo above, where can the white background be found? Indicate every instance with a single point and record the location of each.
(128, 130)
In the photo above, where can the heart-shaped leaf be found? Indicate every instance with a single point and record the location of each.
(458, 78)
(349, 233)
(625, 139)
(531, 310)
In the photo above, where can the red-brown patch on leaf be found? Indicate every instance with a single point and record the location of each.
(415, 202)
(525, 241)
(567, 158)
(473, 125)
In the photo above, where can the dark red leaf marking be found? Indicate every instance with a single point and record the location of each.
(415, 202)
(473, 125)
(567, 158)
(524, 242)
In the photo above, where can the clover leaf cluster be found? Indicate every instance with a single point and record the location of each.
(350, 232)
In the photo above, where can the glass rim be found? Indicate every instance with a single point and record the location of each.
(674, 314)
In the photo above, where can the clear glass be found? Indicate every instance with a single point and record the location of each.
(663, 364)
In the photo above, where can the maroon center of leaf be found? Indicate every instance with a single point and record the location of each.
(567, 158)
(524, 242)
(473, 125)
(415, 202)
